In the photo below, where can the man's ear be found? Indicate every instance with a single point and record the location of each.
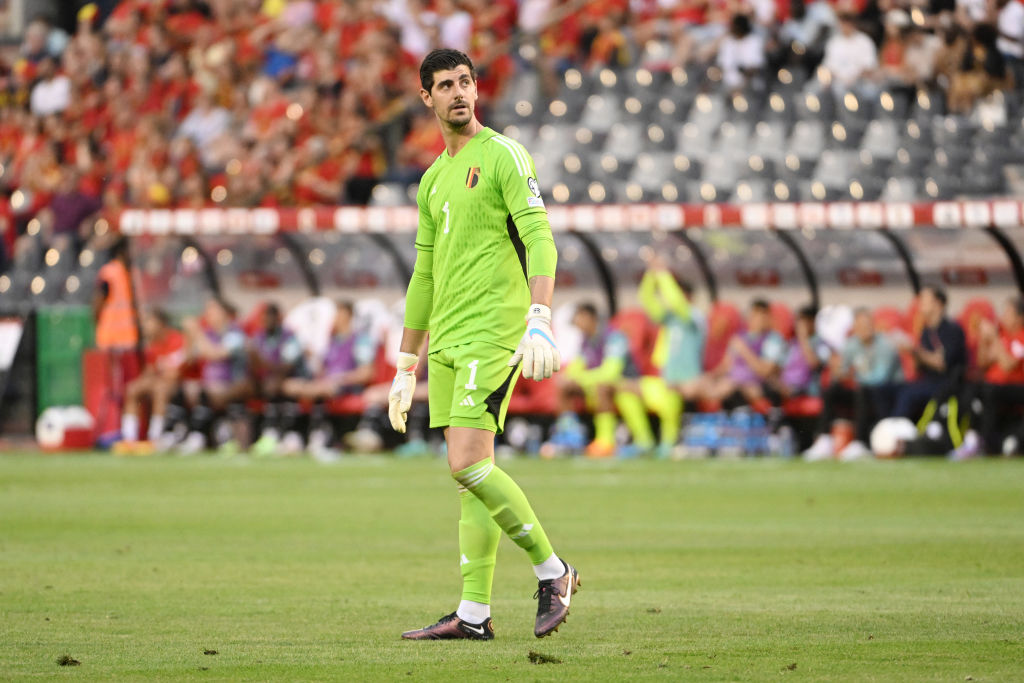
(427, 99)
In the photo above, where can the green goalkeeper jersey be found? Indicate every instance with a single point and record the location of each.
(480, 214)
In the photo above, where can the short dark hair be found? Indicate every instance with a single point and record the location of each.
(808, 312)
(761, 305)
(443, 60)
(938, 292)
(273, 309)
(161, 316)
(588, 308)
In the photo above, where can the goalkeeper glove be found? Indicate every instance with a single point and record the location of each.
(400, 396)
(537, 348)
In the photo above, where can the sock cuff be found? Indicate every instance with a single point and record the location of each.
(474, 474)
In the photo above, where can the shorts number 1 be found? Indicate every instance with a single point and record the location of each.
(472, 365)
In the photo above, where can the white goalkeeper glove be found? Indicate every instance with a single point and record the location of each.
(400, 396)
(537, 348)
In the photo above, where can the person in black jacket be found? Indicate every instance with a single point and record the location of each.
(940, 355)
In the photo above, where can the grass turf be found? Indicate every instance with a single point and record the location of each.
(748, 570)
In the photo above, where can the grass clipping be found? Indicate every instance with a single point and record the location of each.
(538, 658)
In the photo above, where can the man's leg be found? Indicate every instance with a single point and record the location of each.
(471, 459)
(137, 390)
(478, 549)
(667, 405)
(634, 414)
(605, 422)
(478, 532)
(163, 389)
(470, 388)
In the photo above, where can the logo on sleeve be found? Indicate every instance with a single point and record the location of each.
(535, 201)
(472, 177)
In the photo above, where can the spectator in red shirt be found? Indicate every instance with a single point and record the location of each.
(165, 354)
(994, 403)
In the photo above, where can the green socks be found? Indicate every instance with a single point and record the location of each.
(506, 505)
(604, 428)
(478, 548)
(631, 407)
(666, 404)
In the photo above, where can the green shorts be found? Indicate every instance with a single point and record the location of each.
(470, 386)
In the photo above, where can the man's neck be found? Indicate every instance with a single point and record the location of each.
(456, 139)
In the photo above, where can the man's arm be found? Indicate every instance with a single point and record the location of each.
(648, 296)
(934, 359)
(542, 289)
(521, 194)
(673, 295)
(419, 302)
(763, 367)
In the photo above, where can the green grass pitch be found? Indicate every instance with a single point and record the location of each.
(756, 570)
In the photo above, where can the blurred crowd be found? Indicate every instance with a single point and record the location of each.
(770, 379)
(192, 103)
(781, 380)
(266, 383)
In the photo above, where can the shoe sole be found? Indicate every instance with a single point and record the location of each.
(576, 585)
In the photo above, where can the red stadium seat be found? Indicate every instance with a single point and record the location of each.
(534, 398)
(250, 324)
(888, 319)
(802, 406)
(642, 334)
(783, 320)
(975, 311)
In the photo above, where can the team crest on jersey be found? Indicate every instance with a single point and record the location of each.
(473, 177)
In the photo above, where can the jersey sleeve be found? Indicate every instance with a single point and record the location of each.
(419, 298)
(648, 296)
(517, 182)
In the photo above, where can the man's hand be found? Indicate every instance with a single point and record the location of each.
(537, 348)
(400, 396)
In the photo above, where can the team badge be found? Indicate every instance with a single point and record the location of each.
(473, 177)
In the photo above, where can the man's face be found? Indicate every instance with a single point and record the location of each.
(452, 97)
(342, 320)
(1009, 318)
(271, 320)
(151, 326)
(585, 323)
(215, 315)
(929, 304)
(863, 327)
(758, 320)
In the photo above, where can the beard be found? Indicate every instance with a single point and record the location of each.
(458, 119)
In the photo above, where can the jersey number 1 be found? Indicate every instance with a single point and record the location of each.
(447, 217)
(472, 365)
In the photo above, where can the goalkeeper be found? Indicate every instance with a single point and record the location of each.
(480, 214)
